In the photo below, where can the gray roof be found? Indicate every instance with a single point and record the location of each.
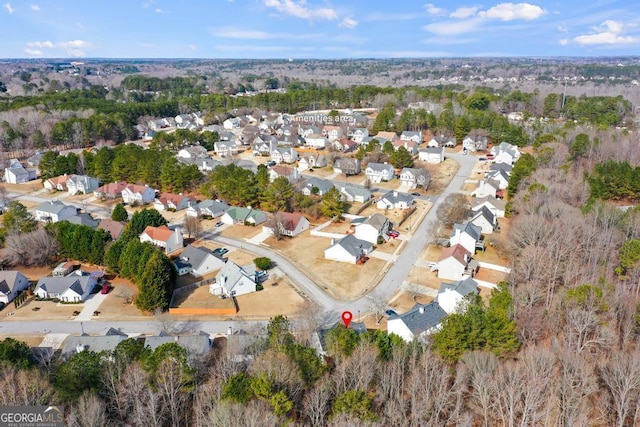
(395, 197)
(415, 172)
(353, 245)
(354, 190)
(469, 228)
(431, 150)
(58, 285)
(497, 203)
(194, 344)
(8, 280)
(323, 185)
(419, 322)
(232, 273)
(91, 343)
(84, 219)
(52, 207)
(486, 213)
(501, 166)
(376, 220)
(463, 287)
(493, 174)
(196, 256)
(81, 178)
(410, 134)
(212, 205)
(379, 167)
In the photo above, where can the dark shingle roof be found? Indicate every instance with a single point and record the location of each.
(421, 317)
(463, 287)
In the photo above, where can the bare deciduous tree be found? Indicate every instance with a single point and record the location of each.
(193, 226)
(621, 376)
(454, 208)
(88, 412)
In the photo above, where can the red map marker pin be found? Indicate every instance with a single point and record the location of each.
(346, 318)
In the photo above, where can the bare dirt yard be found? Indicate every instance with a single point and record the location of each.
(491, 276)
(238, 231)
(440, 174)
(404, 301)
(119, 303)
(342, 280)
(27, 187)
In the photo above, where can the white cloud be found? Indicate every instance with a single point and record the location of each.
(453, 27)
(608, 33)
(72, 44)
(33, 52)
(348, 23)
(47, 44)
(433, 9)
(610, 26)
(159, 11)
(564, 42)
(243, 34)
(380, 16)
(563, 29)
(9, 8)
(463, 12)
(300, 9)
(512, 11)
(34, 7)
(192, 47)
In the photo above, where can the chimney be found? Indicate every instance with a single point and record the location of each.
(333, 242)
(421, 310)
(395, 194)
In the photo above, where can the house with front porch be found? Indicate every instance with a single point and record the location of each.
(207, 209)
(288, 224)
(379, 172)
(284, 155)
(414, 177)
(81, 184)
(138, 194)
(353, 193)
(473, 144)
(67, 288)
(416, 137)
(225, 148)
(239, 215)
(280, 170)
(171, 202)
(58, 183)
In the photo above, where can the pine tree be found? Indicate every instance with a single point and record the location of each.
(156, 284)
(119, 213)
(331, 204)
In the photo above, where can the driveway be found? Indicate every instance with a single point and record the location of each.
(91, 304)
(260, 237)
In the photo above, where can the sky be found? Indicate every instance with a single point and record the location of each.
(317, 29)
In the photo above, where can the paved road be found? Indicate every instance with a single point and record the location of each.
(97, 209)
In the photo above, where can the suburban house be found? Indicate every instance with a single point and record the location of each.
(384, 136)
(207, 208)
(198, 261)
(192, 152)
(451, 295)
(316, 186)
(307, 130)
(504, 167)
(18, 174)
(232, 123)
(347, 166)
(289, 224)
(11, 283)
(318, 339)
(409, 145)
(58, 183)
(411, 136)
(206, 164)
(163, 237)
(478, 143)
(237, 215)
(358, 134)
(95, 343)
(54, 211)
(485, 219)
(112, 227)
(353, 193)
(83, 219)
(138, 194)
(280, 170)
(442, 141)
(453, 263)
(419, 322)
(345, 145)
(171, 201)
(284, 155)
(395, 200)
(348, 249)
(312, 161)
(496, 206)
(332, 132)
(431, 154)
(225, 148)
(82, 184)
(379, 172)
(505, 153)
(67, 288)
(414, 177)
(196, 345)
(500, 176)
(371, 228)
(112, 190)
(316, 141)
(468, 235)
(233, 280)
(487, 187)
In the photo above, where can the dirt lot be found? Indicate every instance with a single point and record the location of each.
(27, 187)
(440, 174)
(241, 231)
(321, 172)
(404, 301)
(342, 280)
(491, 276)
(277, 297)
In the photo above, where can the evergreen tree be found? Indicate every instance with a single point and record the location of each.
(17, 219)
(119, 213)
(156, 284)
(401, 158)
(278, 197)
(331, 204)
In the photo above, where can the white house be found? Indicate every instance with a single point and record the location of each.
(163, 237)
(58, 183)
(352, 193)
(233, 280)
(138, 194)
(500, 176)
(395, 200)
(284, 155)
(417, 323)
(207, 208)
(496, 206)
(349, 249)
(232, 123)
(225, 148)
(453, 262)
(409, 145)
(192, 152)
(379, 172)
(478, 143)
(199, 261)
(412, 136)
(67, 288)
(171, 201)
(347, 166)
(505, 153)
(332, 132)
(307, 130)
(487, 187)
(485, 219)
(414, 177)
(82, 184)
(289, 224)
(290, 173)
(468, 235)
(451, 295)
(321, 186)
(17, 174)
(442, 141)
(238, 215)
(11, 283)
(431, 154)
(359, 134)
(54, 211)
(316, 141)
(371, 228)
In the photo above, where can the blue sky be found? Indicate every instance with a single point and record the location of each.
(316, 28)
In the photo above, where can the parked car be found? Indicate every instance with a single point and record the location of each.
(482, 159)
(391, 312)
(362, 260)
(219, 224)
(271, 163)
(105, 289)
(393, 233)
(220, 251)
(416, 194)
